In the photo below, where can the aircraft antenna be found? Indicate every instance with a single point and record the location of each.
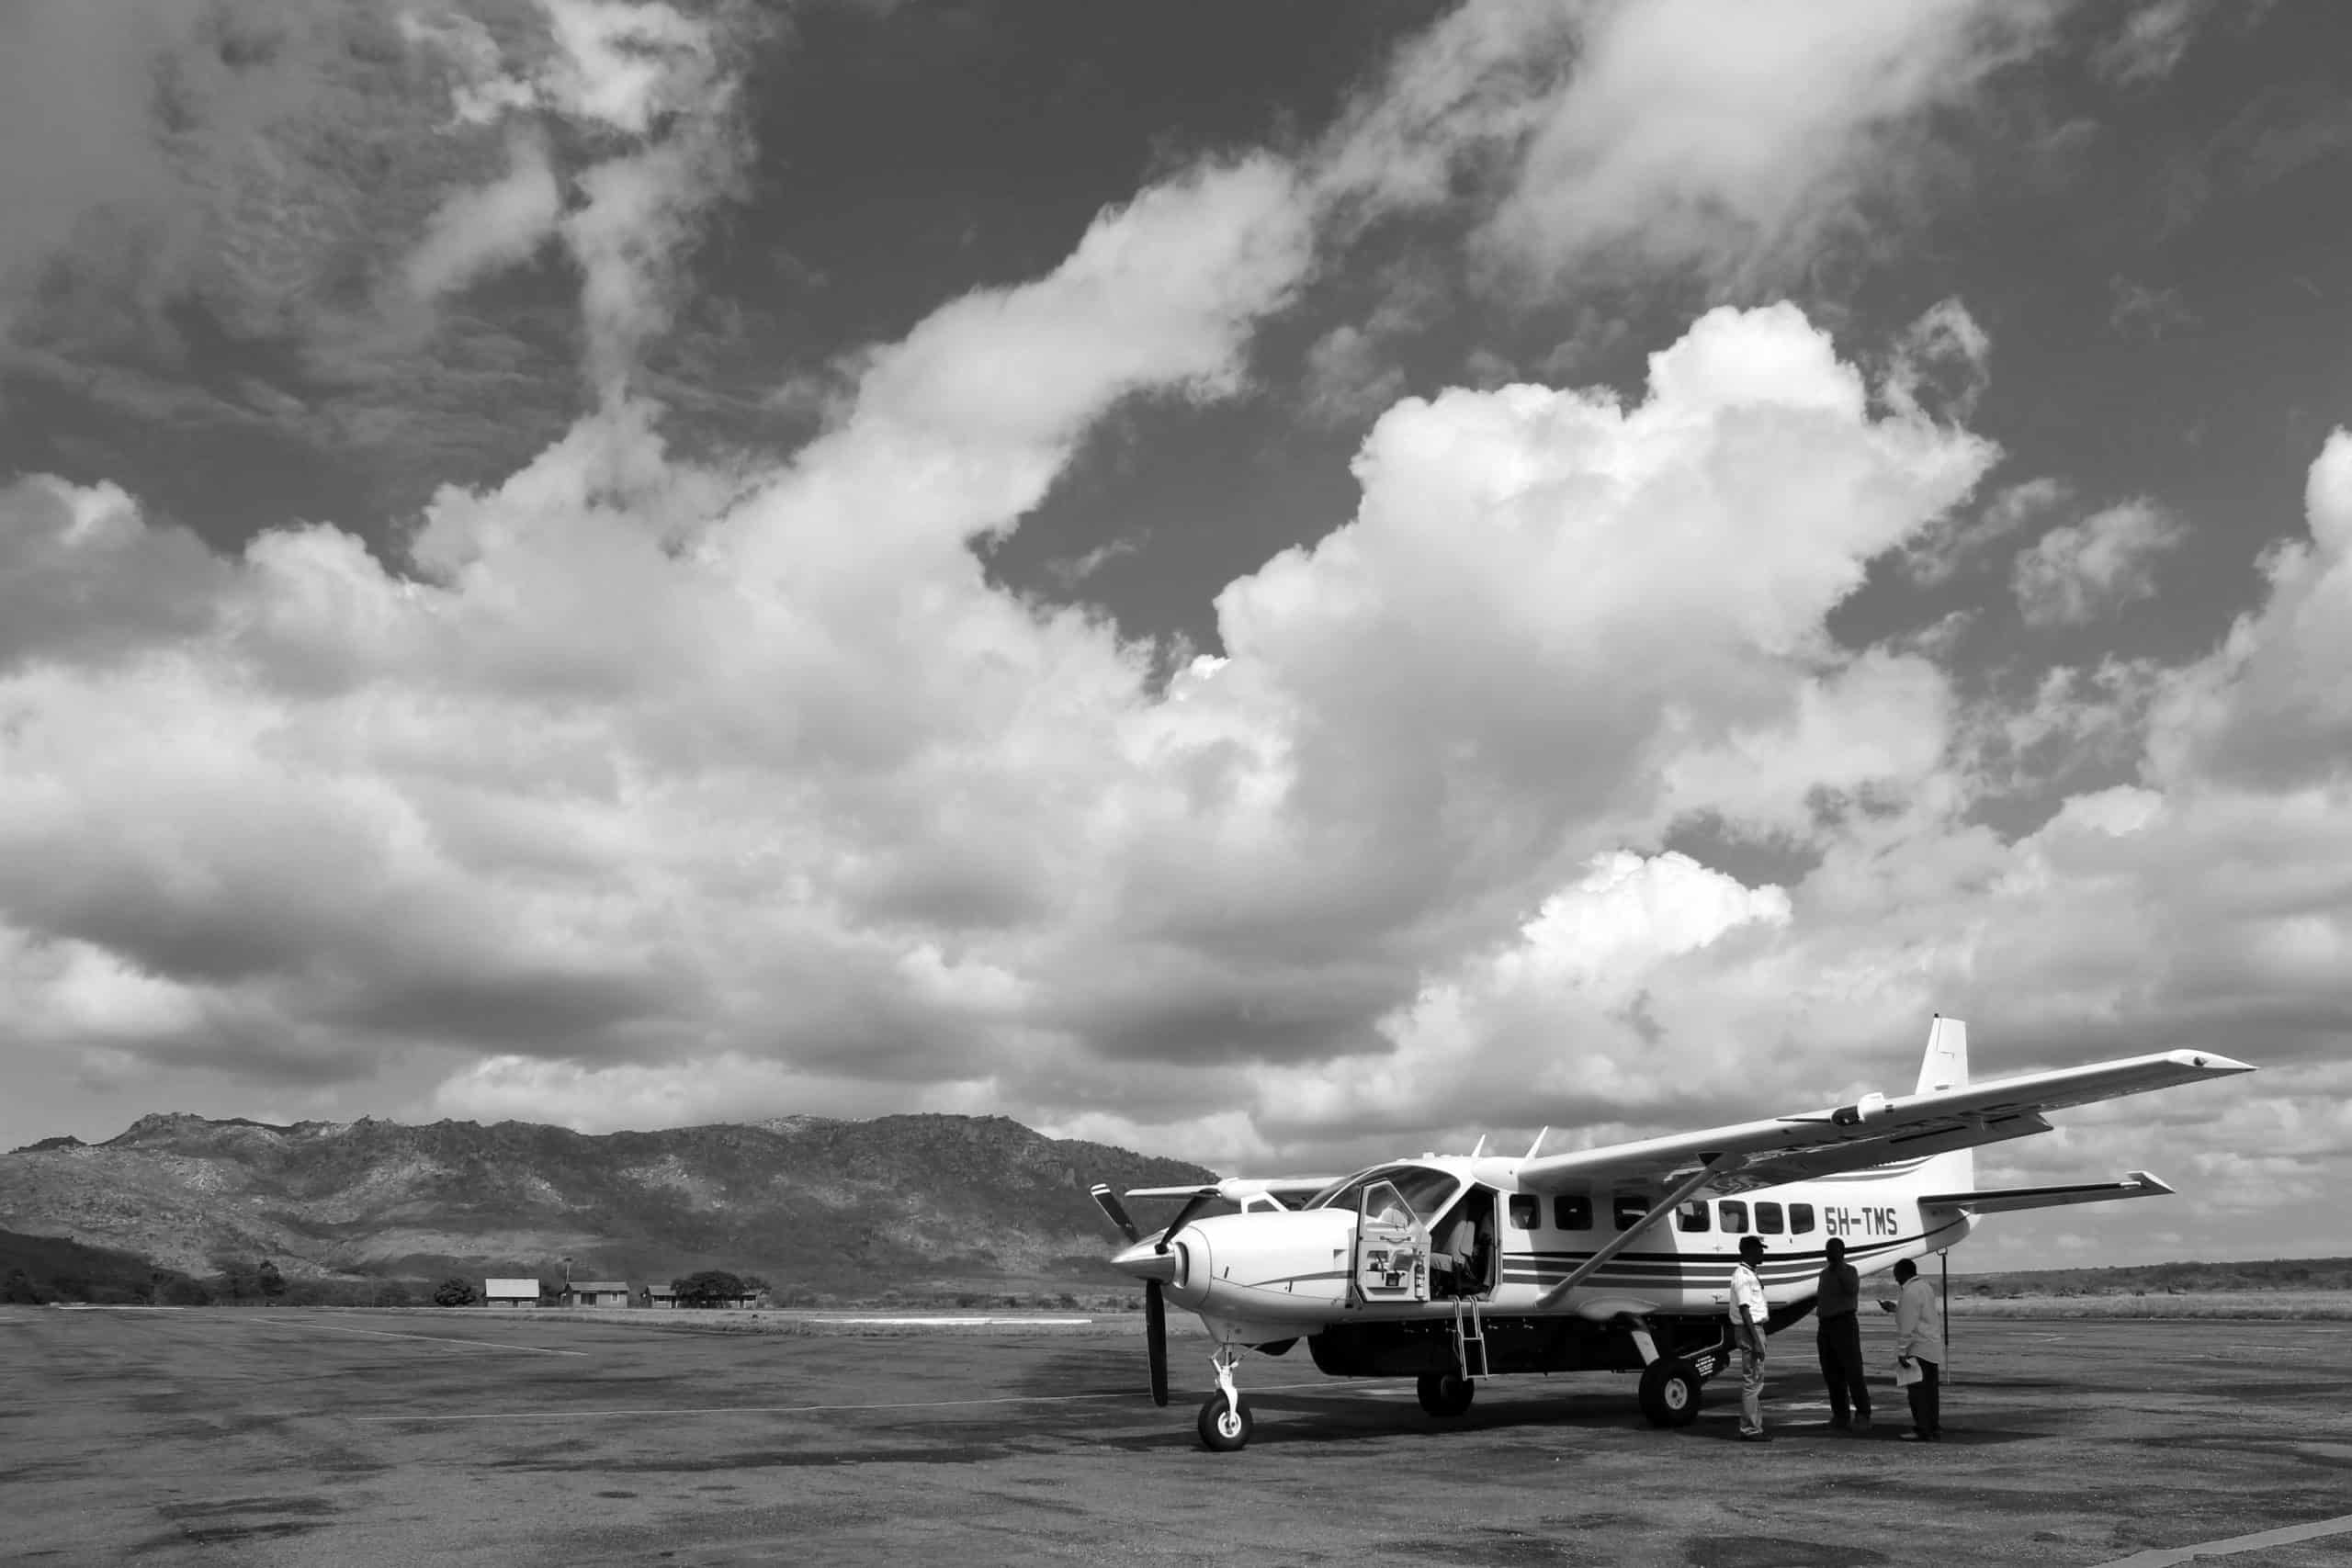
(1481, 1146)
(1539, 1140)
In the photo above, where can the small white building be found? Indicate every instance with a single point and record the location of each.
(510, 1293)
(599, 1293)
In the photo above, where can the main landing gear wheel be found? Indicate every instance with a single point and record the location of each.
(1670, 1393)
(1447, 1393)
(1224, 1425)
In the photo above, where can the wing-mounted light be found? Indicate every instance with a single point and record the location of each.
(1869, 1108)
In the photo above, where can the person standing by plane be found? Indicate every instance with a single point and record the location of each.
(1748, 1311)
(1919, 1339)
(1837, 1294)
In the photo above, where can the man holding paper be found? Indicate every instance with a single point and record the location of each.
(1919, 1351)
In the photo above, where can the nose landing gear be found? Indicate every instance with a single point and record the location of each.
(1225, 1420)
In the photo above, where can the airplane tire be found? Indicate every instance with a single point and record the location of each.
(1447, 1393)
(1223, 1431)
(1670, 1394)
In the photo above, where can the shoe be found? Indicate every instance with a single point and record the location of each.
(1756, 1436)
(1840, 1424)
(1861, 1423)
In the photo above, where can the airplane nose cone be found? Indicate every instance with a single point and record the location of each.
(1146, 1261)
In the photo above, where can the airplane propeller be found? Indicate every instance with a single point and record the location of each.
(1116, 1209)
(1155, 1308)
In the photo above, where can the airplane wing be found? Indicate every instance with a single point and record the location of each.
(2005, 1200)
(1875, 1129)
(1233, 1188)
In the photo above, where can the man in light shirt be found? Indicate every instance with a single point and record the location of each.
(1748, 1311)
(1919, 1339)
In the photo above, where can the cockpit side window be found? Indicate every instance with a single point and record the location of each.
(1426, 1190)
(1526, 1210)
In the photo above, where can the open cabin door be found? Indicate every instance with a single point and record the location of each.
(1391, 1261)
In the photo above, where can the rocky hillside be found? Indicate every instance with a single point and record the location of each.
(812, 1203)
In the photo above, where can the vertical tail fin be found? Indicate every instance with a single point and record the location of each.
(1946, 1063)
(1946, 1066)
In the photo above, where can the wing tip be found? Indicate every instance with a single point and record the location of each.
(2211, 1063)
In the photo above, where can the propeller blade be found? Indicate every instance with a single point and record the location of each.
(1155, 1339)
(1193, 1205)
(1116, 1209)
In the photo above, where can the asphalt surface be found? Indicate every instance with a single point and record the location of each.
(292, 1437)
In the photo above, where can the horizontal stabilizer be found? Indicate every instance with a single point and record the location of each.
(2005, 1200)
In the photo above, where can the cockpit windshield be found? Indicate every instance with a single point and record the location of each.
(1425, 1190)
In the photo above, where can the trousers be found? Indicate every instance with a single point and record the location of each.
(1927, 1399)
(1841, 1368)
(1751, 1390)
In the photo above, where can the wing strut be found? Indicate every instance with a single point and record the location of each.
(1720, 1165)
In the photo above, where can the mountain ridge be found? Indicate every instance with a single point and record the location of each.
(820, 1205)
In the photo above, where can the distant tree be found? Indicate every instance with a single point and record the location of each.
(237, 1279)
(268, 1281)
(17, 1290)
(455, 1292)
(709, 1287)
(179, 1291)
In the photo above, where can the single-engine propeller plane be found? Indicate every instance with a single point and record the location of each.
(1457, 1268)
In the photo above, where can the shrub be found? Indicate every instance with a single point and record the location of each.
(455, 1292)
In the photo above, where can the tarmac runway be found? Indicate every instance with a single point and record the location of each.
(291, 1437)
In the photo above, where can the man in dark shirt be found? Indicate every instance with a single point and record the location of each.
(1837, 1292)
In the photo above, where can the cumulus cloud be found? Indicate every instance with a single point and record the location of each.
(2273, 705)
(83, 576)
(835, 803)
(2075, 573)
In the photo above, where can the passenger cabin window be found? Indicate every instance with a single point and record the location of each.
(1631, 1207)
(1526, 1210)
(1768, 1219)
(1691, 1217)
(1572, 1212)
(1800, 1219)
(1735, 1215)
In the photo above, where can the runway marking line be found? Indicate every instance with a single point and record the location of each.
(807, 1409)
(2160, 1557)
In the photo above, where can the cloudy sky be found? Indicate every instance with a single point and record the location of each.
(1277, 582)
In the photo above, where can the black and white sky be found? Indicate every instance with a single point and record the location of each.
(1278, 581)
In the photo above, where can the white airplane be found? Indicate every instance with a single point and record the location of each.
(1454, 1267)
